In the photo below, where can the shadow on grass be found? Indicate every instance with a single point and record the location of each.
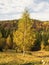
(15, 63)
(28, 64)
(10, 63)
(33, 63)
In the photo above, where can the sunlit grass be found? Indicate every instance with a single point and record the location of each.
(8, 58)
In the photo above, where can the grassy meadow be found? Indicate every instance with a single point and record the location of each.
(30, 58)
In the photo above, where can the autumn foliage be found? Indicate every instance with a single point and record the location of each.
(24, 34)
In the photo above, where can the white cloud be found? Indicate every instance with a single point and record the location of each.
(40, 7)
(14, 5)
(40, 16)
(10, 9)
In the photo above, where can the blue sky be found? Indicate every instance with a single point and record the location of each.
(12, 9)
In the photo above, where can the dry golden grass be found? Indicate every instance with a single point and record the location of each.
(6, 57)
